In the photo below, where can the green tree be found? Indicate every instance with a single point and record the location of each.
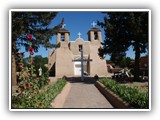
(34, 23)
(117, 57)
(129, 62)
(39, 61)
(125, 29)
(126, 62)
(122, 63)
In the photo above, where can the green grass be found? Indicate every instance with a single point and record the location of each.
(132, 95)
(40, 100)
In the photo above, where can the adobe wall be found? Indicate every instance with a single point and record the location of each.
(64, 64)
(98, 65)
(68, 51)
(74, 47)
(51, 58)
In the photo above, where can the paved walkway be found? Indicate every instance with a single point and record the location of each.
(85, 95)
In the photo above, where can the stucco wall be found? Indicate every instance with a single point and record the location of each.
(64, 64)
(98, 65)
(51, 58)
(74, 47)
(69, 51)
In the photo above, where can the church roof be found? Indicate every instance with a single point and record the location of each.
(94, 29)
(62, 30)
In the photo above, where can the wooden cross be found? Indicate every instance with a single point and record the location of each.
(82, 67)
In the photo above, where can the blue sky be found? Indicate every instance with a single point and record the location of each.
(76, 22)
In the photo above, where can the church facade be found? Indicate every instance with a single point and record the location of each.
(60, 60)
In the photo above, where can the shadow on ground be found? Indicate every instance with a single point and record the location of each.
(87, 80)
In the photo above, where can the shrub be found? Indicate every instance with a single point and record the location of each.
(133, 96)
(39, 99)
(27, 81)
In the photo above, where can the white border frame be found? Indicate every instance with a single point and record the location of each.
(80, 10)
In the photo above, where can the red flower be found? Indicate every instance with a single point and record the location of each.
(20, 65)
(27, 85)
(17, 84)
(37, 92)
(29, 36)
(22, 88)
(32, 60)
(31, 51)
(40, 104)
(20, 54)
(37, 78)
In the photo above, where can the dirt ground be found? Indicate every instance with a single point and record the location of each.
(143, 86)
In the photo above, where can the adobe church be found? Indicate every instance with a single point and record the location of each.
(60, 60)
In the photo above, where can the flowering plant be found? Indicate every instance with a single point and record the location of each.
(31, 51)
(41, 99)
(29, 84)
(31, 93)
(29, 36)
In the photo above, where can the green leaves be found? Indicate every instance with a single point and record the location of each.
(124, 30)
(40, 100)
(35, 23)
(133, 96)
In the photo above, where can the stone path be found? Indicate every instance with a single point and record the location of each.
(85, 95)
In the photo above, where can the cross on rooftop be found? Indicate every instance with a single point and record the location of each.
(63, 25)
(79, 35)
(94, 24)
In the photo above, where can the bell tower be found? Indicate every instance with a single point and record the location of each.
(95, 38)
(94, 34)
(63, 35)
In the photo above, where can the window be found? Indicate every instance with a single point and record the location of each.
(96, 36)
(62, 37)
(80, 48)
